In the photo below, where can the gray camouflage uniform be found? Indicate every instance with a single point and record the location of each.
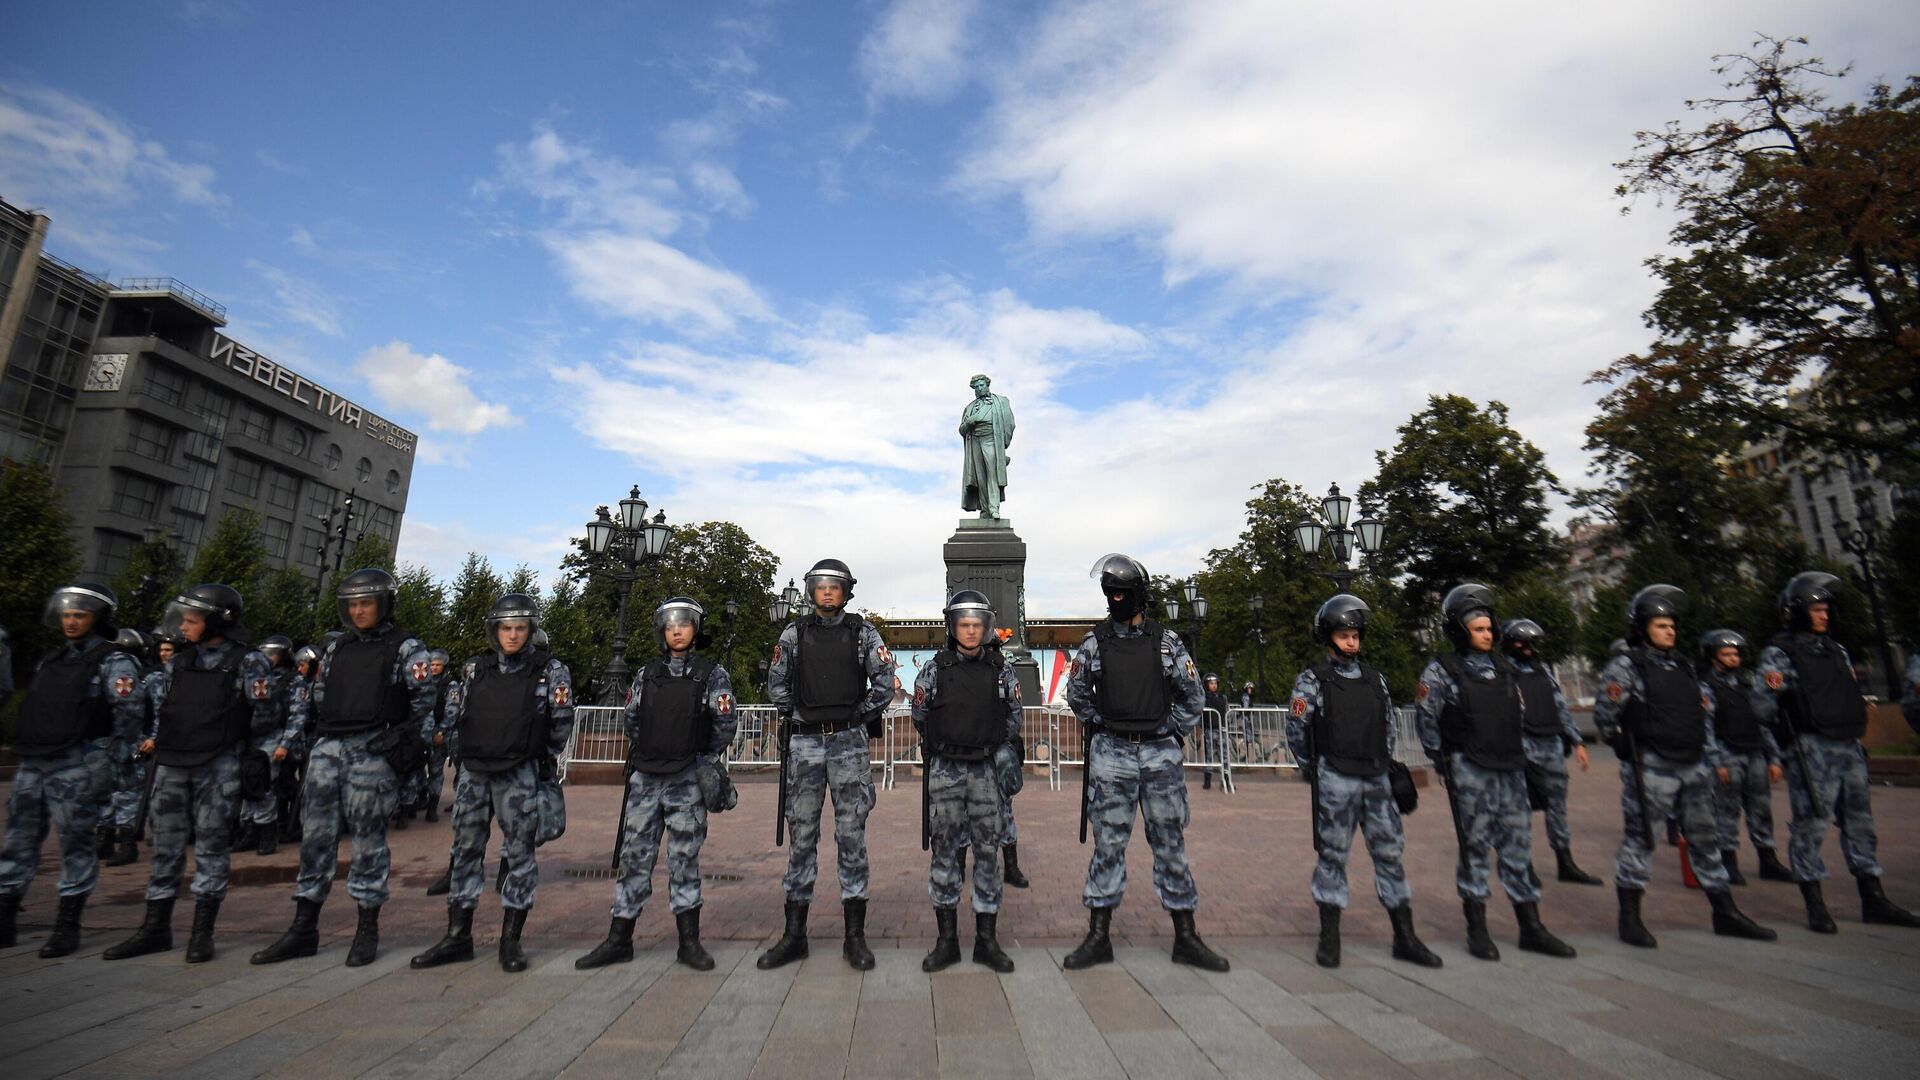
(345, 780)
(1349, 802)
(841, 762)
(1746, 785)
(512, 796)
(266, 734)
(1492, 803)
(1836, 771)
(968, 804)
(670, 804)
(1550, 757)
(62, 789)
(204, 799)
(1672, 788)
(1123, 774)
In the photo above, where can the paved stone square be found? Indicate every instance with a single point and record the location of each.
(1847, 1005)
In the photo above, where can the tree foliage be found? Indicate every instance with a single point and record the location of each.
(37, 557)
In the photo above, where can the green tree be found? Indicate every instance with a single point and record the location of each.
(371, 550)
(470, 597)
(38, 557)
(420, 607)
(152, 577)
(282, 603)
(234, 555)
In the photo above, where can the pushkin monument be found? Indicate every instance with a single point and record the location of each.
(985, 553)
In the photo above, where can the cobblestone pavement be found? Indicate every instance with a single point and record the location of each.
(1847, 1005)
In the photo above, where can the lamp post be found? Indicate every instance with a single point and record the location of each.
(631, 541)
(1330, 528)
(1257, 605)
(1197, 612)
(789, 604)
(334, 536)
(1862, 544)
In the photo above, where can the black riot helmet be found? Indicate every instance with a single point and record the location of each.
(217, 604)
(540, 641)
(1516, 633)
(277, 648)
(831, 570)
(1650, 603)
(129, 640)
(1713, 641)
(306, 654)
(681, 611)
(969, 604)
(513, 607)
(371, 582)
(1804, 591)
(1618, 647)
(1464, 603)
(1124, 583)
(83, 596)
(1342, 611)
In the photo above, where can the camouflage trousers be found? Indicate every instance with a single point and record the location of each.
(116, 780)
(266, 809)
(1549, 757)
(659, 805)
(479, 800)
(1836, 772)
(965, 810)
(1745, 789)
(57, 791)
(1365, 803)
(1009, 836)
(816, 764)
(206, 800)
(1682, 791)
(1494, 823)
(126, 801)
(1122, 775)
(347, 783)
(437, 770)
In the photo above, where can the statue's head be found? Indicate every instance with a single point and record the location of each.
(981, 385)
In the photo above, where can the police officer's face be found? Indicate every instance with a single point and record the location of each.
(1213, 686)
(829, 596)
(1662, 632)
(165, 651)
(1347, 641)
(513, 635)
(193, 626)
(969, 632)
(1728, 657)
(363, 612)
(680, 635)
(1818, 616)
(76, 623)
(1480, 633)
(437, 666)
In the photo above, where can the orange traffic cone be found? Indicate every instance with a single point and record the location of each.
(1686, 867)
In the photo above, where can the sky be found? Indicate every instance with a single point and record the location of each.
(748, 255)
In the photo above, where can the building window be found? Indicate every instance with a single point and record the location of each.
(364, 470)
(116, 550)
(294, 438)
(311, 542)
(319, 500)
(247, 474)
(135, 496)
(188, 527)
(150, 438)
(383, 521)
(255, 424)
(283, 489)
(393, 481)
(333, 455)
(276, 533)
(162, 383)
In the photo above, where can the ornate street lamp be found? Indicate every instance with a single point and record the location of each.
(630, 542)
(1196, 609)
(1331, 529)
(1257, 605)
(1862, 545)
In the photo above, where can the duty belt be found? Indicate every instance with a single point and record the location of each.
(831, 727)
(1134, 737)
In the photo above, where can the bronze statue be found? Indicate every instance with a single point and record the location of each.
(986, 428)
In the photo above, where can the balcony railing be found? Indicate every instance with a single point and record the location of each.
(179, 289)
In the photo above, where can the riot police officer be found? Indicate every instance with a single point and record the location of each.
(1549, 734)
(1658, 715)
(82, 692)
(114, 840)
(830, 678)
(371, 685)
(440, 666)
(966, 705)
(218, 691)
(1213, 733)
(1746, 756)
(1137, 695)
(511, 715)
(1341, 725)
(680, 721)
(1468, 714)
(260, 818)
(293, 770)
(1823, 715)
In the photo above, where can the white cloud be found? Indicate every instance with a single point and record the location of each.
(408, 383)
(301, 300)
(918, 48)
(55, 147)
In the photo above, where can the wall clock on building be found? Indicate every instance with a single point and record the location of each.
(105, 371)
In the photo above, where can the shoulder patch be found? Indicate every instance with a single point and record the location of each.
(885, 656)
(1192, 672)
(1016, 691)
(562, 694)
(123, 686)
(419, 670)
(1613, 691)
(1073, 672)
(724, 704)
(919, 697)
(1705, 701)
(1299, 706)
(1421, 690)
(777, 652)
(1776, 681)
(262, 689)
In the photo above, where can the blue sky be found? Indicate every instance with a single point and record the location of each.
(747, 255)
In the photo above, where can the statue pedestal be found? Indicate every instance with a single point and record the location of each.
(986, 555)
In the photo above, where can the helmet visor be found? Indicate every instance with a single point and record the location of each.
(1121, 569)
(78, 599)
(189, 619)
(971, 613)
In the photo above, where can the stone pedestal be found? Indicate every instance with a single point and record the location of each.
(985, 554)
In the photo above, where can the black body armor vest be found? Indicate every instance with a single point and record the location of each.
(967, 718)
(1735, 721)
(1540, 719)
(1669, 718)
(57, 713)
(500, 721)
(361, 692)
(828, 672)
(1133, 695)
(1352, 725)
(1826, 698)
(205, 713)
(1484, 723)
(671, 723)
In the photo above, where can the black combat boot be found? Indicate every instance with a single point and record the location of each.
(66, 928)
(986, 942)
(433, 809)
(1533, 875)
(1730, 921)
(443, 884)
(1673, 832)
(687, 924)
(269, 840)
(103, 839)
(946, 940)
(1818, 920)
(456, 946)
(1479, 943)
(1327, 954)
(125, 852)
(206, 912)
(301, 939)
(366, 938)
(1876, 908)
(1632, 930)
(244, 837)
(1096, 947)
(617, 949)
(854, 948)
(9, 921)
(1730, 858)
(1206, 779)
(399, 819)
(1189, 949)
(793, 942)
(1770, 868)
(154, 934)
(1570, 871)
(513, 959)
(1406, 944)
(1010, 868)
(1534, 935)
